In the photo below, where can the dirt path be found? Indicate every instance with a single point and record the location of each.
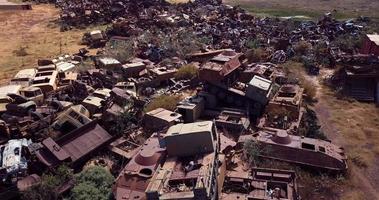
(358, 177)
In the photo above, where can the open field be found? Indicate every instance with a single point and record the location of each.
(35, 34)
(353, 125)
(344, 8)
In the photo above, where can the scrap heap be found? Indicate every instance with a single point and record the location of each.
(226, 98)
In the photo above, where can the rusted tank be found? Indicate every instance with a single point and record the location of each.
(135, 177)
(315, 153)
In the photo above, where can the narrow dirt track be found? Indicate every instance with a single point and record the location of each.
(358, 176)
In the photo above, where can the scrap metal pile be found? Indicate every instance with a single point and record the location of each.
(69, 108)
(210, 22)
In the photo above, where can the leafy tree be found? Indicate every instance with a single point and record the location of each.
(94, 183)
(49, 182)
(251, 151)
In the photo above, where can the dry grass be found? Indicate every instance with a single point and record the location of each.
(295, 70)
(344, 8)
(356, 126)
(187, 72)
(35, 32)
(164, 101)
(357, 122)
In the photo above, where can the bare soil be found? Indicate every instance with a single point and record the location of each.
(342, 121)
(37, 32)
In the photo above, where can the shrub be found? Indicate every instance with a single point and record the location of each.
(302, 47)
(93, 183)
(163, 101)
(124, 121)
(21, 52)
(120, 50)
(255, 55)
(348, 42)
(309, 89)
(186, 72)
(358, 160)
(310, 127)
(251, 151)
(49, 183)
(252, 43)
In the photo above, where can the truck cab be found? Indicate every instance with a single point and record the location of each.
(4, 98)
(33, 94)
(24, 77)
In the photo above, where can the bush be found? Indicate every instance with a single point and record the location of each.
(310, 90)
(186, 72)
(49, 182)
(93, 183)
(122, 123)
(21, 52)
(163, 101)
(302, 48)
(255, 55)
(358, 160)
(122, 51)
(252, 44)
(251, 152)
(310, 127)
(348, 42)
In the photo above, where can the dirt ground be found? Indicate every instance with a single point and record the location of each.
(35, 31)
(353, 125)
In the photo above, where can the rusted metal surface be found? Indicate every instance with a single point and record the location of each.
(261, 183)
(74, 146)
(311, 152)
(135, 177)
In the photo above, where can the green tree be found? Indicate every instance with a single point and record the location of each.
(94, 183)
(49, 183)
(251, 151)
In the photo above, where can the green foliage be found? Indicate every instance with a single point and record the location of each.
(252, 44)
(163, 101)
(122, 122)
(251, 151)
(310, 127)
(120, 50)
(94, 183)
(49, 183)
(180, 44)
(187, 72)
(302, 48)
(255, 55)
(348, 42)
